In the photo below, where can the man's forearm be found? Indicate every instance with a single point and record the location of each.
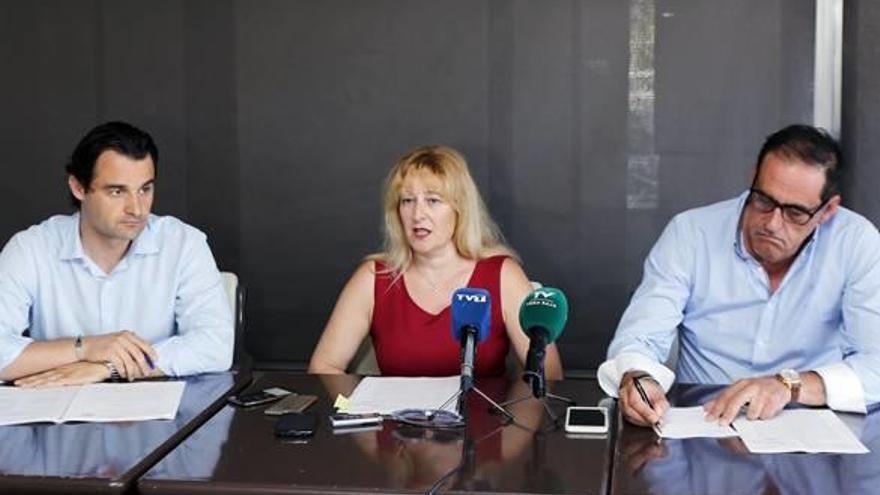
(40, 356)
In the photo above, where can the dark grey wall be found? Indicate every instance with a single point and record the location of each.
(860, 127)
(277, 121)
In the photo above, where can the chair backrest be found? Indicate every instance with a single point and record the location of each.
(364, 360)
(235, 294)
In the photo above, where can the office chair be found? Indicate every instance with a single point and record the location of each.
(235, 293)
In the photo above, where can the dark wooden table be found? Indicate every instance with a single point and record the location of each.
(106, 457)
(491, 457)
(709, 466)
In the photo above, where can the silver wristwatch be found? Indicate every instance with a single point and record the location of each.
(114, 373)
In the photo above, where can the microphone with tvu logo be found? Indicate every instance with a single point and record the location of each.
(471, 312)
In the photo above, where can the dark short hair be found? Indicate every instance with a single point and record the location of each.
(120, 137)
(811, 145)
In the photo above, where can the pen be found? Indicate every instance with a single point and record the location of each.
(638, 384)
(149, 361)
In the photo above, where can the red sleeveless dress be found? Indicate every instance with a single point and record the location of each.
(409, 341)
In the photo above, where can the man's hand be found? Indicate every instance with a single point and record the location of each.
(634, 409)
(125, 350)
(765, 396)
(79, 373)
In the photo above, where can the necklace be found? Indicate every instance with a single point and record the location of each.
(440, 288)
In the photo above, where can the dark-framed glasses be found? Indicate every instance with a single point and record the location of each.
(796, 214)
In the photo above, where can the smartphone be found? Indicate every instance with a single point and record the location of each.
(260, 397)
(586, 420)
(346, 420)
(290, 404)
(296, 425)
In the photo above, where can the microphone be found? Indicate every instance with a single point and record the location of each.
(542, 317)
(471, 320)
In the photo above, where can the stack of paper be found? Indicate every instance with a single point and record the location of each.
(690, 422)
(100, 402)
(799, 430)
(792, 430)
(385, 395)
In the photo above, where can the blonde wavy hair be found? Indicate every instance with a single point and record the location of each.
(476, 235)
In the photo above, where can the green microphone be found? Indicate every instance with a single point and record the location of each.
(542, 317)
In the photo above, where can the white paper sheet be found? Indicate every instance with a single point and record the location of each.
(24, 405)
(799, 430)
(690, 422)
(96, 402)
(384, 395)
(137, 401)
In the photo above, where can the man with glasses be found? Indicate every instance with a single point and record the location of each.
(775, 292)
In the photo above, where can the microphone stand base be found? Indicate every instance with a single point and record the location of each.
(461, 395)
(545, 401)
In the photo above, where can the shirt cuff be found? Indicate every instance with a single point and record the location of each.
(611, 371)
(843, 388)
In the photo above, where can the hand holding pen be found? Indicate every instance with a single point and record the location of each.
(642, 400)
(647, 400)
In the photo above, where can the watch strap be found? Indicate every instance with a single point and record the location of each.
(114, 373)
(794, 386)
(78, 349)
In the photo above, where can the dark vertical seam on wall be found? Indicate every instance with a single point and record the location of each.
(98, 46)
(236, 149)
(500, 102)
(580, 230)
(185, 125)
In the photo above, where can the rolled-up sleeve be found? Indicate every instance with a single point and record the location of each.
(17, 279)
(861, 325)
(205, 334)
(648, 327)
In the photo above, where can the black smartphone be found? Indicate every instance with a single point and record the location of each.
(586, 420)
(296, 425)
(290, 404)
(259, 397)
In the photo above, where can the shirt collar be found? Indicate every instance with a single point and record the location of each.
(739, 242)
(71, 243)
(145, 242)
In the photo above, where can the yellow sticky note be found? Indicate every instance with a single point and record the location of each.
(342, 403)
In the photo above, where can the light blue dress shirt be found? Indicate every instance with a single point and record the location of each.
(166, 289)
(701, 284)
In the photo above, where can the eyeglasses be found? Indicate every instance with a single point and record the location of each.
(428, 418)
(796, 214)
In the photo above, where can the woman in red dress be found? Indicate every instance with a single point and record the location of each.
(439, 237)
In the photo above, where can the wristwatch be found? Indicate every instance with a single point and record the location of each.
(78, 348)
(114, 373)
(791, 379)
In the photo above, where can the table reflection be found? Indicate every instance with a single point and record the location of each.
(470, 459)
(107, 450)
(724, 466)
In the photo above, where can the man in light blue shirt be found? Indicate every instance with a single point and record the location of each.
(775, 292)
(111, 291)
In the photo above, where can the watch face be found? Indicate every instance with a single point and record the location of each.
(790, 375)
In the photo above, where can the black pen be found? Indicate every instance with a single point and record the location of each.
(638, 384)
